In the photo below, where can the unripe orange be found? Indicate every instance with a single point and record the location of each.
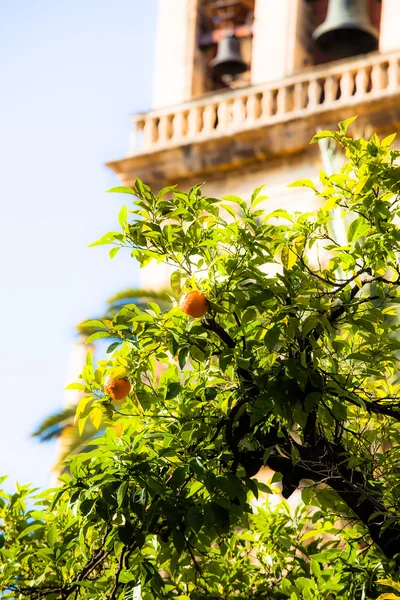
(117, 388)
(194, 304)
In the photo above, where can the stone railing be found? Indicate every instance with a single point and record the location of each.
(319, 90)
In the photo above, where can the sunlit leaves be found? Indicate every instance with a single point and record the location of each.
(297, 354)
(121, 189)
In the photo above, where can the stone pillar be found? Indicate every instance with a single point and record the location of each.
(389, 37)
(277, 47)
(77, 361)
(175, 42)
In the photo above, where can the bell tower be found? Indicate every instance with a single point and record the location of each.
(241, 86)
(192, 34)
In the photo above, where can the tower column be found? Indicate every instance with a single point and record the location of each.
(389, 38)
(175, 39)
(277, 51)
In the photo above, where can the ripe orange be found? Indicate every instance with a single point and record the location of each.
(194, 304)
(117, 388)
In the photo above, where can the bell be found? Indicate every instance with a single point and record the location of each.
(347, 30)
(228, 60)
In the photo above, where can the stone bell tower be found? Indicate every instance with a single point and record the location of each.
(238, 130)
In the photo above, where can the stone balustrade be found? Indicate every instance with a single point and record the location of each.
(320, 89)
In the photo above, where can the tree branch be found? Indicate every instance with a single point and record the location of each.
(324, 463)
(114, 590)
(211, 325)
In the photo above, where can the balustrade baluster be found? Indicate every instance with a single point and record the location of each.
(362, 80)
(377, 78)
(177, 126)
(194, 123)
(209, 118)
(331, 89)
(223, 115)
(150, 133)
(253, 107)
(298, 96)
(164, 129)
(346, 85)
(238, 111)
(393, 74)
(267, 104)
(314, 92)
(281, 101)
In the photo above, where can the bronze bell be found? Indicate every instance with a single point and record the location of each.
(228, 60)
(347, 30)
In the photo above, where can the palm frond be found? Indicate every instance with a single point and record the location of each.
(54, 425)
(137, 296)
(137, 293)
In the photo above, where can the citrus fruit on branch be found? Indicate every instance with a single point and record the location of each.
(118, 389)
(194, 304)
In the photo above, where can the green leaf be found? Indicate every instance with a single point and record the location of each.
(357, 228)
(361, 184)
(114, 251)
(256, 193)
(80, 387)
(113, 347)
(229, 209)
(236, 200)
(175, 282)
(122, 189)
(388, 140)
(178, 540)
(194, 488)
(51, 535)
(339, 410)
(166, 190)
(262, 407)
(121, 493)
(83, 402)
(295, 455)
(173, 390)
(196, 353)
(123, 216)
(89, 359)
(96, 416)
(311, 401)
(243, 363)
(98, 335)
(81, 424)
(389, 583)
(288, 257)
(344, 125)
(94, 323)
(303, 183)
(194, 519)
(30, 529)
(108, 238)
(256, 198)
(276, 477)
(271, 337)
(322, 135)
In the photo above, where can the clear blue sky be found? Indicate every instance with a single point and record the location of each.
(71, 72)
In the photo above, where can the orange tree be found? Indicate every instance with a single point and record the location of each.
(293, 367)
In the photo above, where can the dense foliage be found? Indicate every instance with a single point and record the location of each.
(293, 369)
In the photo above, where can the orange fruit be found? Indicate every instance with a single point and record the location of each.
(117, 388)
(194, 304)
